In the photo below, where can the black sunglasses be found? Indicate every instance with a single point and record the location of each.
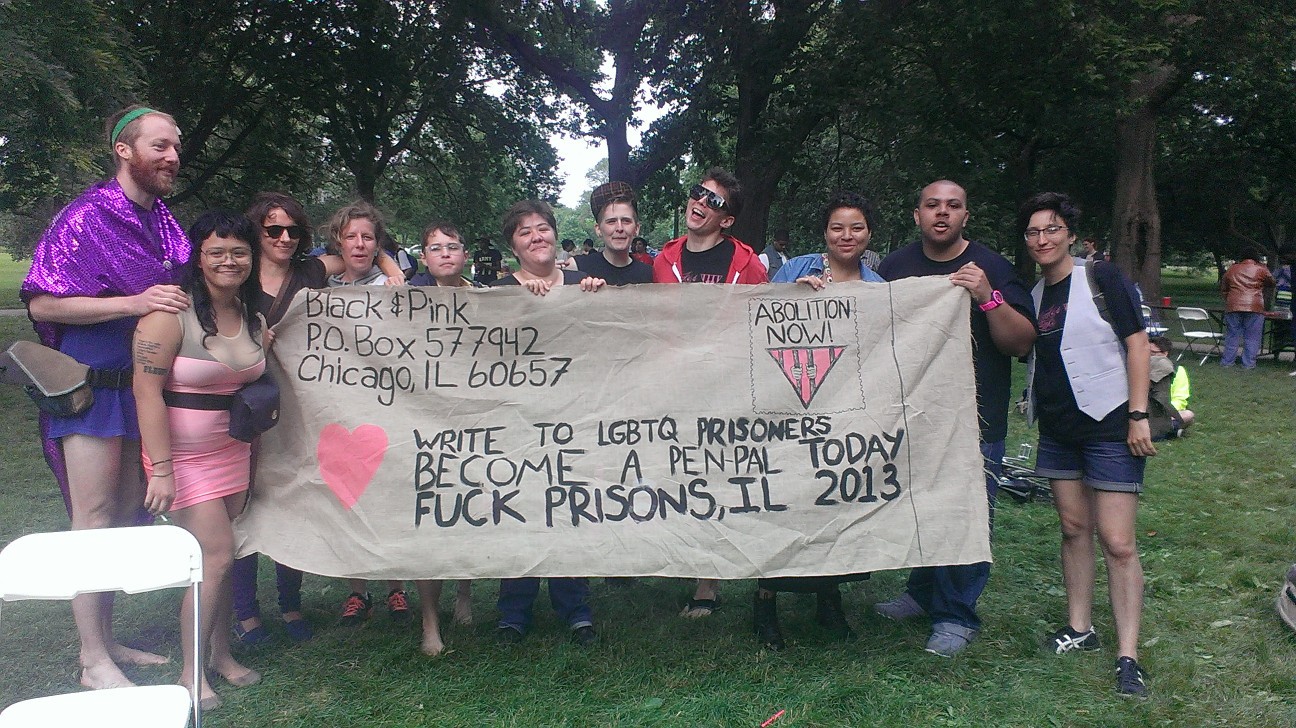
(274, 232)
(713, 201)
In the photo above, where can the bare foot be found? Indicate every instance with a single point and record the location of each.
(103, 675)
(432, 644)
(131, 656)
(463, 611)
(236, 674)
(207, 698)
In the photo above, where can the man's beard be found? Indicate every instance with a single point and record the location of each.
(150, 178)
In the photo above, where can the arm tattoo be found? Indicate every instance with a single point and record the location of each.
(154, 370)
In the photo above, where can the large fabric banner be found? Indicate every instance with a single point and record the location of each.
(687, 431)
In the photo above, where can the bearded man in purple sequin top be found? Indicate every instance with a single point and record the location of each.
(112, 255)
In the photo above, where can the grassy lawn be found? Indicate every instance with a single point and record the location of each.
(12, 273)
(1215, 534)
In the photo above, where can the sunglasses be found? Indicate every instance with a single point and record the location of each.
(713, 201)
(274, 232)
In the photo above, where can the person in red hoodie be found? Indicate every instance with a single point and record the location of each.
(707, 253)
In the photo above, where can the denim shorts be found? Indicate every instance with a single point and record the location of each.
(1107, 466)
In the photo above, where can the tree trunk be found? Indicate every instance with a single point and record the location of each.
(1136, 219)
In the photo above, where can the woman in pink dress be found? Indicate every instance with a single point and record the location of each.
(196, 471)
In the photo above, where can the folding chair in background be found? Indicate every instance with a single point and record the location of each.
(1203, 331)
(62, 565)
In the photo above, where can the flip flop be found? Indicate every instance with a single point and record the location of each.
(698, 608)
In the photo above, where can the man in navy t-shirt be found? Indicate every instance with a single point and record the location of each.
(1003, 327)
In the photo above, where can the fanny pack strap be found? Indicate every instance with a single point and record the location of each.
(110, 378)
(194, 401)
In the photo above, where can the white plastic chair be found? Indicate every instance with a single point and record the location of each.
(65, 564)
(1197, 333)
(1151, 325)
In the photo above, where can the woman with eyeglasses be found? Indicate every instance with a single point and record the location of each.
(1088, 389)
(184, 363)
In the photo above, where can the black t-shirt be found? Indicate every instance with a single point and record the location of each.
(993, 367)
(486, 264)
(1055, 405)
(308, 273)
(709, 266)
(570, 277)
(599, 267)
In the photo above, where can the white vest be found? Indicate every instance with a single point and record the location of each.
(1092, 355)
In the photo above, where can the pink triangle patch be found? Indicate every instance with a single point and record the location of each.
(806, 367)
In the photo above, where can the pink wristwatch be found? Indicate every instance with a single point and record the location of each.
(996, 300)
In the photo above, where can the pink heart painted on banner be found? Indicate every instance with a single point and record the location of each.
(348, 460)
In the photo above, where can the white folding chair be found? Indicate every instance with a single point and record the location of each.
(1151, 325)
(68, 563)
(1205, 331)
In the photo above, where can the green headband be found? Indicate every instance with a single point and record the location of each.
(132, 116)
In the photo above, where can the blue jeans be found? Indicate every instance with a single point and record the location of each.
(1248, 327)
(949, 593)
(569, 597)
(243, 580)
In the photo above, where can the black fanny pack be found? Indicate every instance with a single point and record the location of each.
(253, 409)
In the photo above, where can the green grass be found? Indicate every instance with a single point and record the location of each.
(1215, 536)
(12, 273)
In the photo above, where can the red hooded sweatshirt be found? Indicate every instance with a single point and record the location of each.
(744, 268)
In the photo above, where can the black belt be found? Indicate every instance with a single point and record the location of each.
(109, 378)
(194, 401)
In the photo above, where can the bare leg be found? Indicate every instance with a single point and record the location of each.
(463, 603)
(429, 591)
(209, 522)
(706, 589)
(220, 658)
(95, 482)
(359, 586)
(1116, 516)
(1074, 503)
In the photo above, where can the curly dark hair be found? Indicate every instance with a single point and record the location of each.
(224, 224)
(852, 200)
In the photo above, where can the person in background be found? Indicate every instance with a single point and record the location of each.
(1243, 287)
(112, 255)
(1089, 392)
(639, 251)
(775, 254)
(1170, 385)
(488, 263)
(566, 253)
(587, 247)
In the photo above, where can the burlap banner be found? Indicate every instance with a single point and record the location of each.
(688, 430)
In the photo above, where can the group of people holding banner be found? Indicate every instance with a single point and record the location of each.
(169, 321)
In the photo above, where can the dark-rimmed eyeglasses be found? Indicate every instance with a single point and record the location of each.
(713, 201)
(1051, 230)
(274, 232)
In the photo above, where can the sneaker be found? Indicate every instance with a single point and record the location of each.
(398, 606)
(1130, 678)
(584, 635)
(1069, 640)
(901, 608)
(947, 640)
(356, 608)
(508, 636)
